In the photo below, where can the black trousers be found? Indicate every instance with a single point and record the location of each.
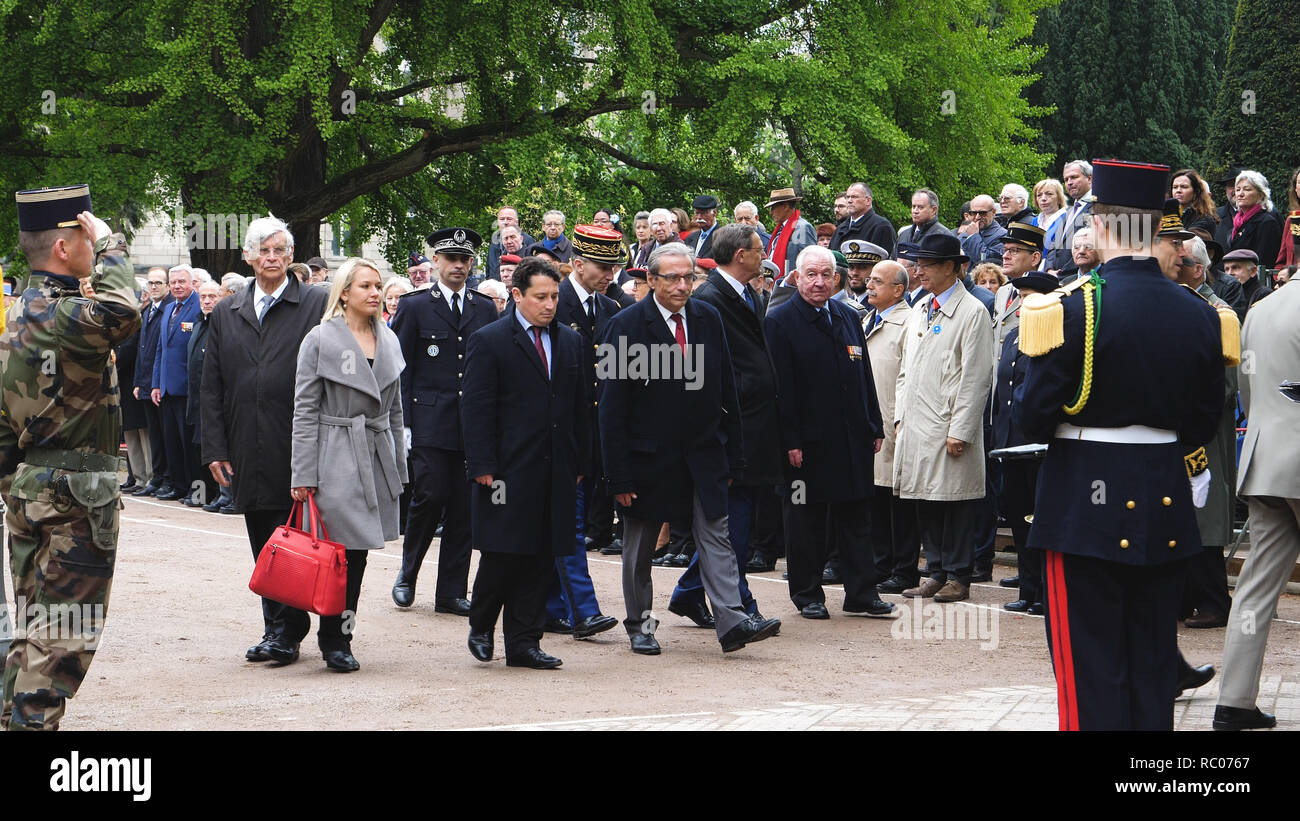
(288, 623)
(157, 445)
(439, 493)
(516, 583)
(336, 632)
(1113, 634)
(177, 438)
(948, 530)
(1019, 486)
(812, 529)
(599, 525)
(896, 545)
(1207, 583)
(768, 537)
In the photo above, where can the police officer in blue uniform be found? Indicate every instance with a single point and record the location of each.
(1122, 393)
(433, 327)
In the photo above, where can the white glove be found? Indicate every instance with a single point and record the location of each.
(1200, 488)
(406, 433)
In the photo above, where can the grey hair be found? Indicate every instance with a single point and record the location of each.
(263, 227)
(866, 189)
(494, 288)
(1257, 180)
(200, 275)
(929, 195)
(398, 280)
(668, 249)
(1196, 247)
(559, 214)
(814, 252)
(1083, 165)
(661, 212)
(1082, 232)
(189, 272)
(745, 205)
(233, 282)
(641, 215)
(1018, 191)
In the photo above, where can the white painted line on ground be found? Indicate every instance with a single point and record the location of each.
(582, 720)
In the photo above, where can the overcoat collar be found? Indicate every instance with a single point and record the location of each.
(341, 359)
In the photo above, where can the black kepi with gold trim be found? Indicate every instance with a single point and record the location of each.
(598, 244)
(1171, 223)
(44, 209)
(1025, 235)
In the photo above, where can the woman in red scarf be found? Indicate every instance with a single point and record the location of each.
(1289, 253)
(1253, 226)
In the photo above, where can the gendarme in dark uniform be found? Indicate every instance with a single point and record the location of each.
(1114, 508)
(433, 327)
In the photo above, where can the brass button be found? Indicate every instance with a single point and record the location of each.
(1123, 543)
(1166, 501)
(1130, 504)
(1173, 543)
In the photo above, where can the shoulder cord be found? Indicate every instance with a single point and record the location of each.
(1092, 321)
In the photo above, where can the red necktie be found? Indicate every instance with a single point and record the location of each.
(541, 352)
(934, 305)
(681, 333)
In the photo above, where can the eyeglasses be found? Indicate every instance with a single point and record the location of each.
(673, 279)
(157, 282)
(281, 252)
(1007, 199)
(978, 212)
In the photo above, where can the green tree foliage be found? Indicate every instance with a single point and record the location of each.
(391, 117)
(1130, 80)
(1258, 107)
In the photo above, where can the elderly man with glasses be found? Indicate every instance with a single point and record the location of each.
(981, 239)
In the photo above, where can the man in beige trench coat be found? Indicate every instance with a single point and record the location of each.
(943, 387)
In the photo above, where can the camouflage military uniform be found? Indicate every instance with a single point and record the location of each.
(58, 473)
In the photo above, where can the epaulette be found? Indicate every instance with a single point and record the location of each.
(1042, 319)
(1229, 329)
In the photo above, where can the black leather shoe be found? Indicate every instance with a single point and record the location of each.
(129, 487)
(167, 495)
(213, 506)
(403, 592)
(1205, 620)
(591, 544)
(893, 585)
(878, 609)
(456, 607)
(1018, 606)
(680, 560)
(758, 563)
(697, 612)
(749, 631)
(831, 575)
(1194, 677)
(644, 644)
(982, 576)
(1036, 609)
(147, 490)
(614, 548)
(192, 501)
(534, 659)
(340, 660)
(562, 626)
(1010, 581)
(282, 651)
(480, 646)
(229, 510)
(1237, 718)
(816, 610)
(258, 652)
(785, 575)
(592, 625)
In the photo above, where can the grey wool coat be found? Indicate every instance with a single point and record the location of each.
(347, 433)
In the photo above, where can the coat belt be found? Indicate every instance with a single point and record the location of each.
(362, 432)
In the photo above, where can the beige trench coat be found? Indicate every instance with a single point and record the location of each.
(943, 386)
(885, 350)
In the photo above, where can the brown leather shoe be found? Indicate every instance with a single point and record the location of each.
(953, 591)
(925, 590)
(1206, 620)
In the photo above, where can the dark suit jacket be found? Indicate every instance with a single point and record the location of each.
(871, 227)
(1059, 257)
(755, 378)
(171, 365)
(249, 374)
(571, 313)
(706, 250)
(827, 399)
(660, 438)
(132, 409)
(434, 348)
(194, 356)
(150, 331)
(913, 233)
(524, 427)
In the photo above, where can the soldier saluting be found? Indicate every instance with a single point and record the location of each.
(58, 445)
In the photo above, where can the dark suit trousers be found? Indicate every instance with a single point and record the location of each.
(1019, 485)
(599, 514)
(1113, 633)
(516, 583)
(336, 631)
(157, 445)
(1207, 583)
(439, 493)
(177, 438)
(948, 530)
(288, 623)
(812, 530)
(896, 545)
(769, 528)
(740, 520)
(571, 594)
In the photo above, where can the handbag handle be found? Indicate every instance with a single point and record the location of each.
(298, 518)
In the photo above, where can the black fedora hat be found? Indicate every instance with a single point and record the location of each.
(937, 245)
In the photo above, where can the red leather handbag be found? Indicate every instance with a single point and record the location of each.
(302, 568)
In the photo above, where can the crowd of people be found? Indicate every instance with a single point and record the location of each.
(841, 396)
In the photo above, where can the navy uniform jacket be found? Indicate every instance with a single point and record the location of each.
(871, 227)
(151, 319)
(1158, 362)
(194, 354)
(571, 313)
(660, 437)
(171, 365)
(434, 349)
(826, 397)
(1008, 391)
(525, 428)
(755, 378)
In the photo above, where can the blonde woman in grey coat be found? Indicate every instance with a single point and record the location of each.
(348, 449)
